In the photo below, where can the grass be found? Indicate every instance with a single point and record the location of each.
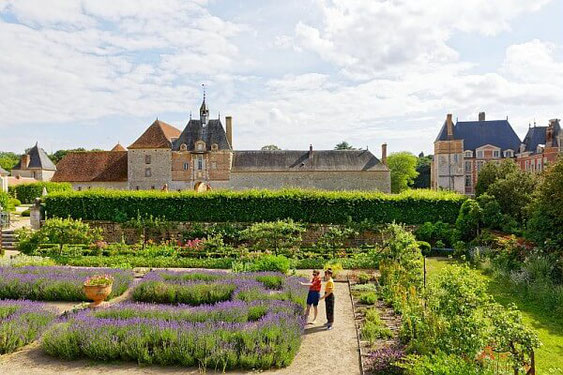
(549, 358)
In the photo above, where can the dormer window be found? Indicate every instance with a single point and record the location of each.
(496, 154)
(214, 147)
(539, 149)
(508, 153)
(468, 154)
(183, 147)
(200, 146)
(480, 154)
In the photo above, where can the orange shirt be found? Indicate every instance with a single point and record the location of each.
(316, 284)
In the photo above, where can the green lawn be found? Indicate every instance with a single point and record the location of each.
(549, 357)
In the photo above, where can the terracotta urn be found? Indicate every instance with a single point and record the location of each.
(97, 293)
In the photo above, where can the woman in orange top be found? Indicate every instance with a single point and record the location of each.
(314, 295)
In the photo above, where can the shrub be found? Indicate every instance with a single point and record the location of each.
(440, 364)
(22, 260)
(27, 193)
(363, 278)
(467, 223)
(424, 247)
(270, 262)
(432, 233)
(368, 298)
(4, 199)
(411, 207)
(372, 332)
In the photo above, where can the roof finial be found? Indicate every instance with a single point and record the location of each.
(219, 115)
(203, 86)
(190, 115)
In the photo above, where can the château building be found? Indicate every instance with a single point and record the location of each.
(202, 157)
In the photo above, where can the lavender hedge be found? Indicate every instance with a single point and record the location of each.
(260, 327)
(56, 283)
(21, 322)
(204, 287)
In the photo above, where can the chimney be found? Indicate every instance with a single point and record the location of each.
(481, 116)
(384, 153)
(24, 161)
(229, 125)
(449, 126)
(310, 151)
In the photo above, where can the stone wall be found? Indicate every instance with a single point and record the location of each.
(158, 161)
(116, 232)
(366, 180)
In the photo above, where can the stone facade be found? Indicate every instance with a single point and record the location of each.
(201, 158)
(35, 164)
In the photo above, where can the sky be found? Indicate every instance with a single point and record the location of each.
(91, 73)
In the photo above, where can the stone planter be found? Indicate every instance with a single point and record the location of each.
(97, 293)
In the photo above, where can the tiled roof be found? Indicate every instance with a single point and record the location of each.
(38, 159)
(158, 135)
(479, 133)
(322, 160)
(118, 147)
(92, 166)
(212, 133)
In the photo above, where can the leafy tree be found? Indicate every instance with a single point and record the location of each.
(270, 148)
(492, 213)
(514, 193)
(423, 164)
(491, 172)
(403, 170)
(8, 160)
(344, 146)
(467, 223)
(276, 236)
(546, 221)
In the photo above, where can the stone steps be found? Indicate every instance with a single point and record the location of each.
(9, 241)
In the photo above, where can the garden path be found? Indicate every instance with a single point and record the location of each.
(322, 351)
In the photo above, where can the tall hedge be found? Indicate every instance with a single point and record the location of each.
(26, 193)
(411, 207)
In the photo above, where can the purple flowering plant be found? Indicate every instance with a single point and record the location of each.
(253, 325)
(56, 283)
(21, 322)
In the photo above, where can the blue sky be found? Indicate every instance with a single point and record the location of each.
(91, 73)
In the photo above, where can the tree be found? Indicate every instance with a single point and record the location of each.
(403, 170)
(546, 213)
(423, 164)
(276, 236)
(492, 172)
(344, 146)
(270, 148)
(467, 223)
(58, 155)
(514, 193)
(8, 160)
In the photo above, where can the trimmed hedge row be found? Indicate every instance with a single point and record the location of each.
(411, 207)
(26, 193)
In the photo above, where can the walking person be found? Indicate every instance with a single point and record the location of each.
(329, 298)
(314, 295)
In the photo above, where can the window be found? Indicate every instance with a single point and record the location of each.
(479, 166)
(183, 147)
(148, 172)
(496, 154)
(147, 159)
(214, 147)
(480, 154)
(468, 181)
(539, 164)
(136, 188)
(468, 154)
(456, 158)
(508, 153)
(186, 166)
(152, 187)
(213, 165)
(467, 167)
(200, 163)
(200, 146)
(527, 165)
(80, 188)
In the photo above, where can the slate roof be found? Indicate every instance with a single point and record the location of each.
(92, 166)
(38, 159)
(479, 133)
(212, 133)
(158, 135)
(535, 137)
(118, 147)
(322, 160)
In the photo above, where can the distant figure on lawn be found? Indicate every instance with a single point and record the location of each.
(329, 298)
(313, 296)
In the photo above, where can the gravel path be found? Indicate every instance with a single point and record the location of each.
(322, 352)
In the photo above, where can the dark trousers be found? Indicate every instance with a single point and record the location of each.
(330, 308)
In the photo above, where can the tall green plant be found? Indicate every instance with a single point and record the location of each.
(278, 236)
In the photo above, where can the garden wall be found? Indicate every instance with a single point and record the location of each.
(307, 206)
